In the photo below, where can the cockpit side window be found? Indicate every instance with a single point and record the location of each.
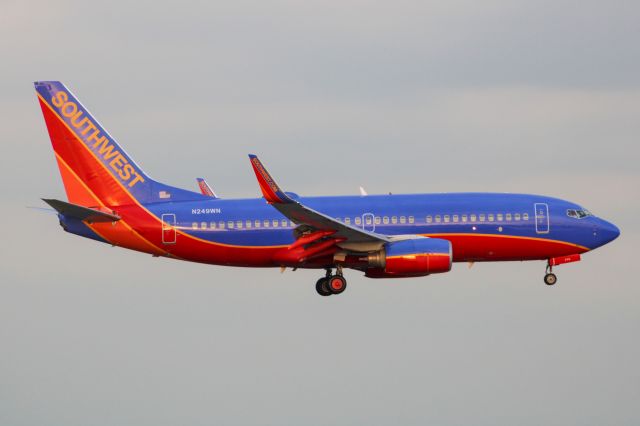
(578, 214)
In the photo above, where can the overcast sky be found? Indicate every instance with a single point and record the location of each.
(403, 96)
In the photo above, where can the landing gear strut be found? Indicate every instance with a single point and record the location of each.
(331, 284)
(550, 278)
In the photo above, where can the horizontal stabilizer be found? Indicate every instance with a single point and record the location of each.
(81, 212)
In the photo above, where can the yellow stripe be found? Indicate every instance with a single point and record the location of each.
(401, 256)
(260, 247)
(134, 198)
(506, 236)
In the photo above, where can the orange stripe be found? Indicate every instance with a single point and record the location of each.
(93, 227)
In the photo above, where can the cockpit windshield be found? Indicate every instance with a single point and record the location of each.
(578, 214)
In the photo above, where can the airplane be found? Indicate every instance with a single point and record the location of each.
(112, 200)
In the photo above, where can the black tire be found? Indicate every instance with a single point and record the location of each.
(550, 279)
(322, 288)
(337, 284)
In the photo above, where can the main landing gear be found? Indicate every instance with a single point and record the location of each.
(331, 284)
(550, 278)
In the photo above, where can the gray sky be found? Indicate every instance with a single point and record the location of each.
(403, 96)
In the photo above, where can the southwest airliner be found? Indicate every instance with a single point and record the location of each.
(112, 200)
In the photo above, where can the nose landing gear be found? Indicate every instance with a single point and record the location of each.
(331, 284)
(550, 278)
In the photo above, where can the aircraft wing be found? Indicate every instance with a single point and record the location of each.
(298, 213)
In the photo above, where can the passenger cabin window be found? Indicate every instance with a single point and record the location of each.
(194, 225)
(385, 220)
(525, 216)
(230, 224)
(403, 219)
(284, 223)
(368, 220)
(248, 224)
(429, 219)
(490, 217)
(347, 220)
(481, 217)
(455, 218)
(221, 225)
(358, 220)
(464, 218)
(377, 220)
(508, 217)
(499, 216)
(265, 223)
(412, 219)
(394, 219)
(438, 218)
(274, 223)
(516, 217)
(256, 223)
(212, 225)
(203, 225)
(447, 219)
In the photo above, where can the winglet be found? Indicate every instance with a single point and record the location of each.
(270, 189)
(205, 189)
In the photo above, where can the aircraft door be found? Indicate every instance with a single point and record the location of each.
(542, 218)
(168, 228)
(368, 222)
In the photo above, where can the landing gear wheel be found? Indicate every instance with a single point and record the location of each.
(322, 287)
(550, 279)
(337, 284)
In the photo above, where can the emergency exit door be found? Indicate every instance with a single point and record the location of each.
(168, 228)
(542, 218)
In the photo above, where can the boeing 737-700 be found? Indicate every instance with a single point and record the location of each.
(112, 200)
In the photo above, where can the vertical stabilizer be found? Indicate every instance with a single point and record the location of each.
(95, 169)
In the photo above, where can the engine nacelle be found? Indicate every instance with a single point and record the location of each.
(413, 258)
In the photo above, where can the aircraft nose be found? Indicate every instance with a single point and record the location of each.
(607, 232)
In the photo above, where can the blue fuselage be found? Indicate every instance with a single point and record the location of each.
(475, 220)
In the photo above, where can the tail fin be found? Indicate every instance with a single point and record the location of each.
(95, 169)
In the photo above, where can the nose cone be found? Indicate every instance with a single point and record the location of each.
(606, 232)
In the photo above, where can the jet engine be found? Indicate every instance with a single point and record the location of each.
(410, 258)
